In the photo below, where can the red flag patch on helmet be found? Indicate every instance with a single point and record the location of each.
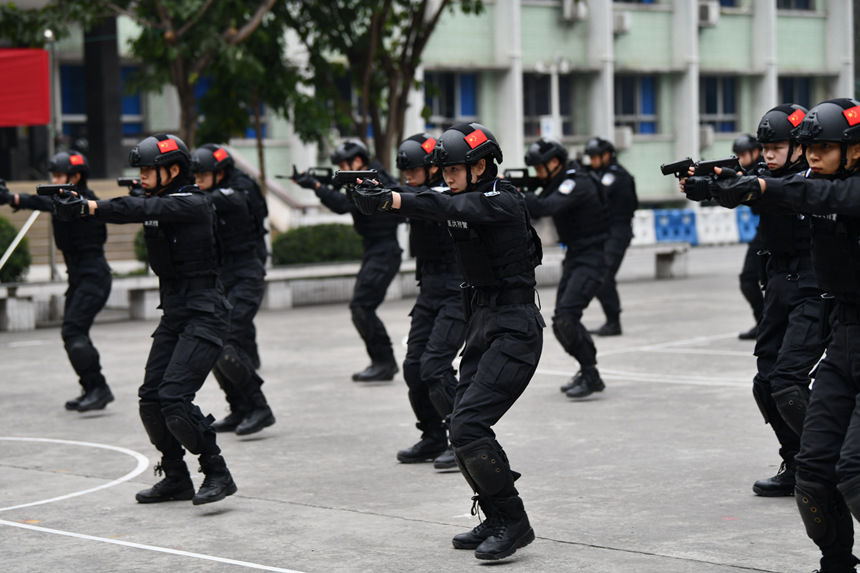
(795, 118)
(220, 154)
(476, 138)
(852, 115)
(428, 145)
(167, 145)
(76, 159)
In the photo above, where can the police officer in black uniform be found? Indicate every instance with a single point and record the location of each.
(438, 327)
(243, 276)
(82, 245)
(748, 151)
(497, 251)
(179, 229)
(237, 179)
(788, 343)
(580, 211)
(828, 464)
(379, 263)
(620, 188)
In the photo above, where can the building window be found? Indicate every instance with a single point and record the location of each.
(718, 103)
(728, 3)
(795, 4)
(132, 108)
(537, 101)
(635, 103)
(204, 84)
(450, 98)
(637, 1)
(796, 90)
(565, 89)
(73, 101)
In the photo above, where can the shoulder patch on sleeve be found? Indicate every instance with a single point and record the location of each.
(608, 179)
(566, 186)
(491, 193)
(226, 192)
(181, 194)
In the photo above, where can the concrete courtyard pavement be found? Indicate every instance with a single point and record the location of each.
(652, 475)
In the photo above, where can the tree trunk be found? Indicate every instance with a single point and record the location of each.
(258, 130)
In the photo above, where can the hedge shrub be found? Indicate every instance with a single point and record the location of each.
(15, 269)
(140, 251)
(317, 244)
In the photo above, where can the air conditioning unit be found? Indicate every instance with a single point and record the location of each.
(709, 13)
(623, 137)
(622, 22)
(706, 136)
(574, 10)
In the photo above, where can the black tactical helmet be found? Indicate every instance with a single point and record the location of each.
(465, 143)
(598, 146)
(160, 150)
(831, 120)
(778, 123)
(69, 162)
(545, 149)
(745, 142)
(350, 149)
(415, 151)
(210, 157)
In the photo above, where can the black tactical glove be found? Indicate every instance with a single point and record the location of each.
(370, 199)
(306, 180)
(6, 196)
(697, 188)
(731, 189)
(70, 206)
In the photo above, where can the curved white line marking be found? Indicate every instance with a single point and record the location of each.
(148, 547)
(142, 465)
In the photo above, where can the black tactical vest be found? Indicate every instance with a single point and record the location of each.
(786, 235)
(181, 250)
(80, 235)
(489, 254)
(589, 221)
(836, 256)
(236, 226)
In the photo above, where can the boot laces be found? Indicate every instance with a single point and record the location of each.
(158, 470)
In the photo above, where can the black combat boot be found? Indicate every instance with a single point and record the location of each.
(217, 483)
(446, 460)
(230, 422)
(377, 372)
(610, 328)
(473, 538)
(585, 383)
(75, 402)
(258, 418)
(176, 485)
(96, 398)
(782, 484)
(428, 448)
(510, 531)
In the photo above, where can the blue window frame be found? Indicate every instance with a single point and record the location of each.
(636, 103)
(450, 98)
(796, 90)
(718, 102)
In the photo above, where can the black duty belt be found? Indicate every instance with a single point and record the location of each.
(193, 283)
(504, 297)
(847, 314)
(782, 263)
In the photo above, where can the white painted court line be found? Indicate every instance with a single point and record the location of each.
(22, 343)
(142, 465)
(148, 547)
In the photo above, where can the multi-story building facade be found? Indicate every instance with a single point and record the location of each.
(662, 79)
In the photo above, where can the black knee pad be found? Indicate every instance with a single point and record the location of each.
(817, 505)
(188, 425)
(791, 403)
(441, 398)
(487, 465)
(153, 422)
(82, 354)
(850, 491)
(762, 393)
(233, 368)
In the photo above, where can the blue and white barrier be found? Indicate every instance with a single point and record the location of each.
(707, 226)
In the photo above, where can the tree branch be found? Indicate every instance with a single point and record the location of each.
(234, 38)
(188, 25)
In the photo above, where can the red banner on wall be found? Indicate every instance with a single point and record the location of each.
(25, 92)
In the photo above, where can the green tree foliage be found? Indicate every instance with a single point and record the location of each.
(317, 244)
(382, 42)
(15, 269)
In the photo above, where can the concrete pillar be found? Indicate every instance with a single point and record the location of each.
(685, 56)
(508, 127)
(765, 58)
(601, 57)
